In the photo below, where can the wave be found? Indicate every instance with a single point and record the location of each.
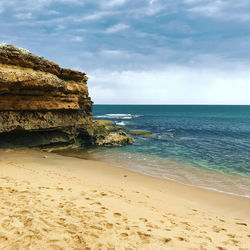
(120, 123)
(118, 116)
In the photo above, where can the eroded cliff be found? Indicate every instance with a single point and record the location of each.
(42, 104)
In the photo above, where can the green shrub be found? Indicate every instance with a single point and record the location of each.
(10, 47)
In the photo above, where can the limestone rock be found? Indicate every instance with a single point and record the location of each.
(107, 135)
(115, 139)
(40, 103)
(44, 105)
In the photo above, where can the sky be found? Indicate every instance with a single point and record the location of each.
(141, 51)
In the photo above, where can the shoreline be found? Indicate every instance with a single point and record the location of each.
(178, 165)
(177, 188)
(158, 213)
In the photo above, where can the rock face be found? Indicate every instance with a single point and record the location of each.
(107, 135)
(42, 104)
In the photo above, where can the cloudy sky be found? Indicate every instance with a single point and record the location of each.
(141, 51)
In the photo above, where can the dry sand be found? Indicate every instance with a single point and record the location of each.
(55, 202)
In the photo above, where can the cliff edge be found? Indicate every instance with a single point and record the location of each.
(42, 104)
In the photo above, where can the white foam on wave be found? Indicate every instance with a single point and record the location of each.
(171, 130)
(118, 116)
(120, 123)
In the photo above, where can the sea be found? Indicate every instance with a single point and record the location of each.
(197, 145)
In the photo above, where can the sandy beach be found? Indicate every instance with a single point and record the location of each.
(50, 201)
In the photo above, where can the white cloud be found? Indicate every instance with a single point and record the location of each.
(226, 9)
(223, 9)
(24, 16)
(76, 39)
(111, 3)
(148, 9)
(4, 4)
(152, 1)
(172, 85)
(210, 8)
(31, 5)
(238, 16)
(53, 12)
(117, 27)
(107, 52)
(178, 27)
(94, 16)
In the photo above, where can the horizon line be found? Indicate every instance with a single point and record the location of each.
(173, 104)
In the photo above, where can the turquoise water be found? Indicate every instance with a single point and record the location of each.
(207, 146)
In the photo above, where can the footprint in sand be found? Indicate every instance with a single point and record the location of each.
(96, 203)
(71, 228)
(109, 225)
(96, 227)
(143, 219)
(104, 208)
(182, 239)
(208, 238)
(166, 240)
(55, 247)
(7, 224)
(217, 229)
(117, 214)
(25, 212)
(235, 242)
(241, 224)
(103, 194)
(99, 214)
(3, 238)
(124, 234)
(144, 236)
(43, 187)
(46, 222)
(185, 223)
(231, 235)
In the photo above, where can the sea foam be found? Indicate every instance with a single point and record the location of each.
(117, 116)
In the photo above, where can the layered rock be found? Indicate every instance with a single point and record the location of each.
(42, 104)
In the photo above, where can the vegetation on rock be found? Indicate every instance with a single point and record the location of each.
(10, 47)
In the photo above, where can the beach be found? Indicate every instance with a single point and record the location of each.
(50, 201)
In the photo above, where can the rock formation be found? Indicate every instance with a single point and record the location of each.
(42, 104)
(107, 135)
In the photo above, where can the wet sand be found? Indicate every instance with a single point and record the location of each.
(55, 202)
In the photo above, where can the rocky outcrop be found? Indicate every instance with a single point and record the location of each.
(107, 135)
(115, 139)
(42, 104)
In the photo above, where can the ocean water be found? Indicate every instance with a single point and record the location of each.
(205, 146)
